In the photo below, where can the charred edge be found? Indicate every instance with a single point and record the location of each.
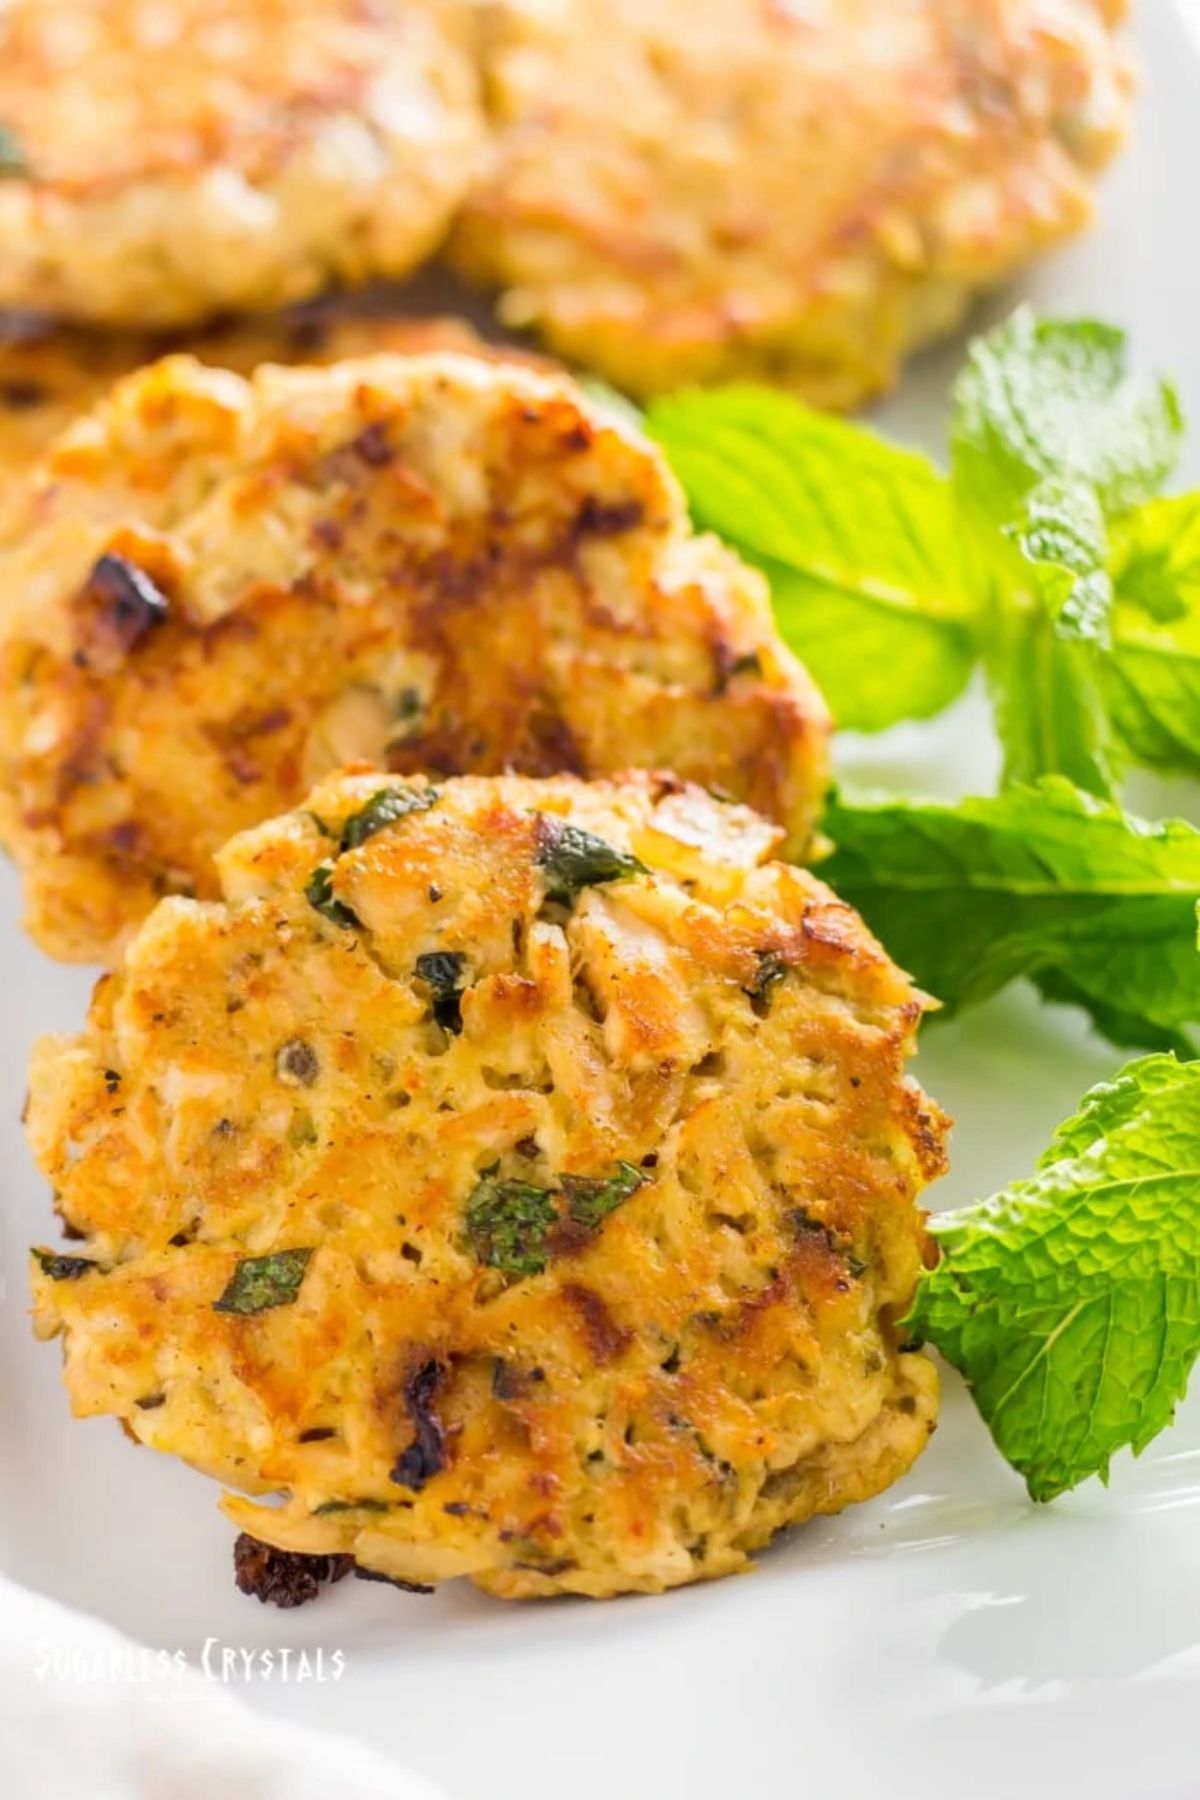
(599, 518)
(512, 1383)
(810, 1233)
(729, 663)
(371, 446)
(22, 396)
(129, 602)
(283, 1578)
(425, 1457)
(605, 1338)
(409, 1587)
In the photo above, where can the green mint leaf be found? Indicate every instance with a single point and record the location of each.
(328, 1507)
(385, 808)
(1152, 680)
(1061, 535)
(64, 1268)
(1043, 398)
(1041, 881)
(1049, 704)
(1051, 628)
(320, 895)
(1157, 559)
(443, 971)
(507, 1224)
(13, 160)
(1051, 621)
(260, 1282)
(772, 969)
(858, 539)
(1052, 438)
(571, 859)
(590, 1198)
(1071, 1302)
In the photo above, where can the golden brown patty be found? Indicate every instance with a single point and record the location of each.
(706, 188)
(161, 164)
(49, 375)
(216, 591)
(517, 1176)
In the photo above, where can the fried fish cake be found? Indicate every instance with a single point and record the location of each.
(518, 1177)
(705, 189)
(49, 375)
(218, 590)
(162, 164)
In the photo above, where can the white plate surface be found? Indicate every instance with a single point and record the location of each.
(947, 1642)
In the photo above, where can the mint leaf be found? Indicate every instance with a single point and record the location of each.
(259, 1283)
(858, 539)
(1045, 398)
(1157, 559)
(590, 1198)
(571, 859)
(1051, 625)
(321, 897)
(13, 160)
(1040, 881)
(64, 1268)
(384, 808)
(1071, 1301)
(1052, 439)
(443, 971)
(1049, 704)
(507, 1225)
(1061, 535)
(1152, 681)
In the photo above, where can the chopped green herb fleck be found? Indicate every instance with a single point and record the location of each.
(319, 894)
(771, 969)
(507, 1225)
(340, 1506)
(261, 1282)
(571, 859)
(13, 160)
(443, 970)
(385, 808)
(64, 1268)
(590, 1198)
(302, 1131)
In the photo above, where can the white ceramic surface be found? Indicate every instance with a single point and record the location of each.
(948, 1642)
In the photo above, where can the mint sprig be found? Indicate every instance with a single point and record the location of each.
(891, 580)
(1096, 906)
(1056, 398)
(1070, 1302)
(1152, 679)
(858, 539)
(1052, 441)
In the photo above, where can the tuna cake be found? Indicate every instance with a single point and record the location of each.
(512, 1178)
(50, 374)
(161, 164)
(801, 193)
(216, 591)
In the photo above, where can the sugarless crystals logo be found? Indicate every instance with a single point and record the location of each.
(233, 1663)
(226, 1665)
(133, 1663)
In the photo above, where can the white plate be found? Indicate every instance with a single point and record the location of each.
(949, 1640)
